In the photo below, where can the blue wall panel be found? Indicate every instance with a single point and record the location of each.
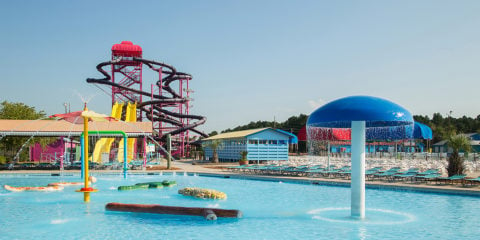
(265, 145)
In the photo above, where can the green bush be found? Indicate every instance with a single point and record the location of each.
(3, 160)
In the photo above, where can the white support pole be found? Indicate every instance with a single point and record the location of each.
(358, 170)
(328, 156)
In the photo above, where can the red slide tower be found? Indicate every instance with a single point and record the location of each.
(126, 72)
(167, 101)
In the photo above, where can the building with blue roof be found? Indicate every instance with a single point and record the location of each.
(442, 146)
(263, 144)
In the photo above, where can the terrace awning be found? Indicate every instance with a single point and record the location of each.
(61, 128)
(422, 131)
(292, 139)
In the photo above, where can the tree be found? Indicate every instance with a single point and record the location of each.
(213, 133)
(243, 160)
(292, 124)
(455, 162)
(215, 145)
(19, 111)
(10, 146)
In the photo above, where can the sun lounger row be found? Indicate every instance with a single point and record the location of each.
(285, 170)
(377, 173)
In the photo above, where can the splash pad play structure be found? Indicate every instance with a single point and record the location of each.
(364, 115)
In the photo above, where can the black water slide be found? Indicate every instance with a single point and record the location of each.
(152, 108)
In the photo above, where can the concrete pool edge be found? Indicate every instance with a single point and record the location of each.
(344, 183)
(395, 186)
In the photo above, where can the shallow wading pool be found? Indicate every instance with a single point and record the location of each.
(271, 210)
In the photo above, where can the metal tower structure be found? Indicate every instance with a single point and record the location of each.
(179, 109)
(166, 104)
(126, 72)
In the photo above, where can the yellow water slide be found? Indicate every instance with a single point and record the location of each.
(103, 145)
(130, 116)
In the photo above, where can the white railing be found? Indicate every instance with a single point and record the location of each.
(404, 155)
(422, 161)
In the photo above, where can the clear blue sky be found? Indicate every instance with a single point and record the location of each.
(251, 60)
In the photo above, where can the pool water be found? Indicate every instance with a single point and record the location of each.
(271, 210)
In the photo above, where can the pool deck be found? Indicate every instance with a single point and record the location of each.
(218, 170)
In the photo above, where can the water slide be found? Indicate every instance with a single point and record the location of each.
(103, 145)
(152, 108)
(130, 116)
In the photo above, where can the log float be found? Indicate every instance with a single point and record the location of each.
(207, 213)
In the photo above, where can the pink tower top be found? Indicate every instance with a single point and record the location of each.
(126, 49)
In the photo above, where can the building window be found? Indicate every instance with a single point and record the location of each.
(252, 141)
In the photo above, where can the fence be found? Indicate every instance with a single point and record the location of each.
(403, 155)
(388, 160)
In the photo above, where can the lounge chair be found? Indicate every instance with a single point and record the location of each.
(429, 171)
(237, 168)
(318, 166)
(387, 173)
(373, 170)
(319, 171)
(305, 170)
(410, 170)
(345, 173)
(473, 180)
(452, 179)
(409, 174)
(428, 177)
(336, 171)
(273, 170)
(370, 172)
(259, 169)
(296, 170)
(251, 168)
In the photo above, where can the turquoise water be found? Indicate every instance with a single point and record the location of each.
(271, 210)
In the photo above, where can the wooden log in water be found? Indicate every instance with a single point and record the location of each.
(208, 213)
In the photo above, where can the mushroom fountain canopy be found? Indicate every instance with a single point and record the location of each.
(384, 120)
(364, 115)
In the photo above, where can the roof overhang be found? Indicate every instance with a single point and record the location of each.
(58, 128)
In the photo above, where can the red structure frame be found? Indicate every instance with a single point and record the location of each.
(128, 73)
(182, 138)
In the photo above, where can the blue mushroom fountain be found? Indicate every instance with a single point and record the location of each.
(365, 115)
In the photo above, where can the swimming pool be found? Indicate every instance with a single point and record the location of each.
(271, 210)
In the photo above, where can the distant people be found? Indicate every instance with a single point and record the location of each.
(92, 179)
